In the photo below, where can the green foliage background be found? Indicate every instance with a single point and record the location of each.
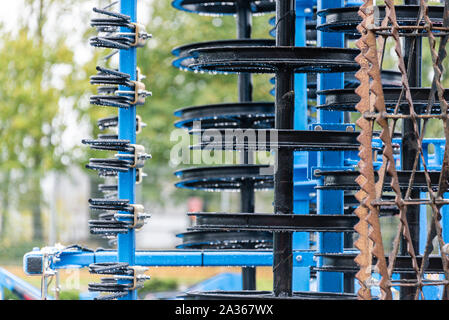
(173, 89)
(32, 103)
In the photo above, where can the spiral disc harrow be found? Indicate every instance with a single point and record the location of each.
(379, 150)
(116, 272)
(115, 88)
(220, 121)
(395, 178)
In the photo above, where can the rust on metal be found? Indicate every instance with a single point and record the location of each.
(373, 112)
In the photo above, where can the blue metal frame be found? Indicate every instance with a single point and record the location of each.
(126, 244)
(302, 187)
(79, 258)
(330, 202)
(18, 286)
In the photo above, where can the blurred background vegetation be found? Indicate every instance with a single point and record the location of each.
(46, 63)
(44, 104)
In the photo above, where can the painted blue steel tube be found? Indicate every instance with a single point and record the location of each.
(301, 275)
(330, 202)
(16, 284)
(126, 244)
(174, 258)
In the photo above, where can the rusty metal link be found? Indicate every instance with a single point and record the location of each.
(437, 60)
(404, 229)
(373, 112)
(370, 90)
(366, 177)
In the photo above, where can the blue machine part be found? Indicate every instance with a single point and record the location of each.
(224, 281)
(302, 187)
(16, 285)
(304, 190)
(126, 243)
(77, 257)
(330, 201)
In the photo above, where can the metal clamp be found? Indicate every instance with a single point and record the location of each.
(139, 216)
(139, 276)
(139, 175)
(139, 124)
(140, 35)
(139, 93)
(139, 156)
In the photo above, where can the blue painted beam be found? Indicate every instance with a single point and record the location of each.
(126, 243)
(330, 202)
(301, 191)
(174, 258)
(16, 284)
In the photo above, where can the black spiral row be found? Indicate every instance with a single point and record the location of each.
(115, 216)
(111, 37)
(245, 177)
(109, 93)
(111, 284)
(246, 56)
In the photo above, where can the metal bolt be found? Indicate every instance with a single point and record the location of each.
(349, 129)
(298, 258)
(318, 128)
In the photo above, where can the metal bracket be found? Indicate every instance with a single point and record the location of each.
(139, 216)
(138, 124)
(139, 175)
(140, 93)
(139, 276)
(140, 35)
(139, 156)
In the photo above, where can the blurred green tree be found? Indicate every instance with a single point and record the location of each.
(41, 81)
(173, 89)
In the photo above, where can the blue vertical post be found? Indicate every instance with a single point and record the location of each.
(445, 219)
(330, 202)
(126, 244)
(422, 224)
(301, 275)
(439, 154)
(351, 3)
(423, 207)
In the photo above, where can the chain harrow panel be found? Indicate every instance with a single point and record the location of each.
(413, 107)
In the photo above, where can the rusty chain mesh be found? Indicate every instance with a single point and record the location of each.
(373, 113)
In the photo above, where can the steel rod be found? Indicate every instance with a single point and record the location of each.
(330, 201)
(283, 180)
(412, 58)
(244, 20)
